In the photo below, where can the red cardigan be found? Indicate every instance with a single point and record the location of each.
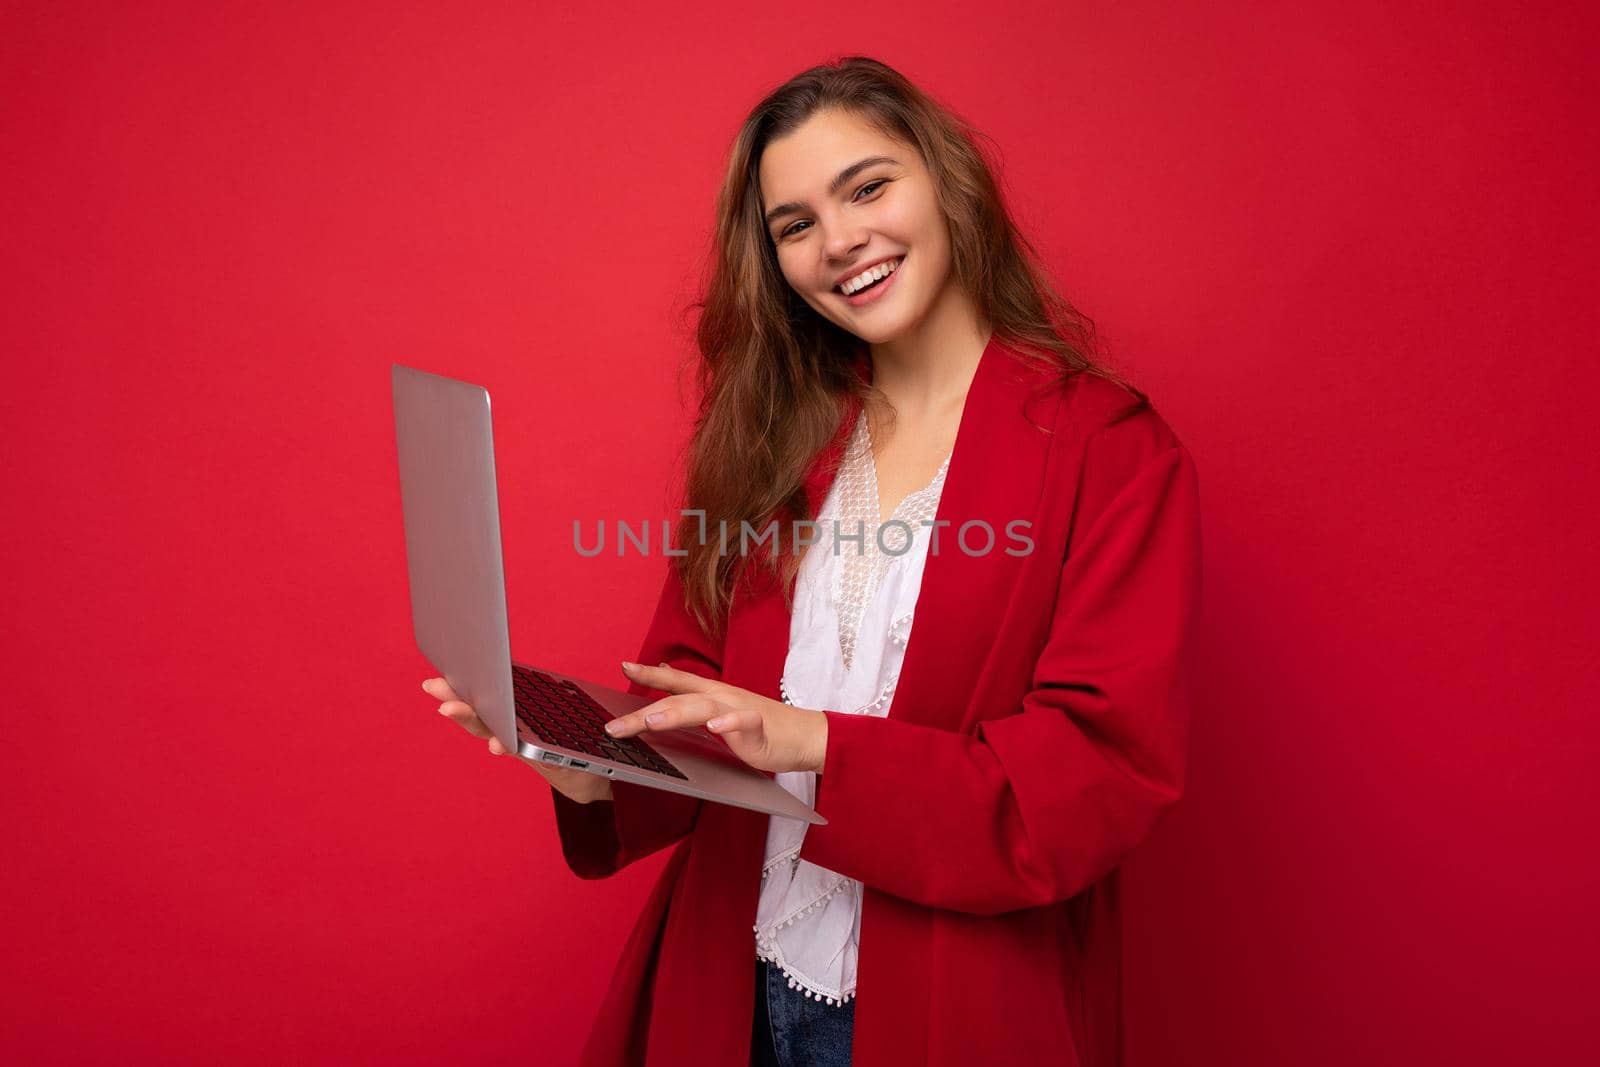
(1038, 732)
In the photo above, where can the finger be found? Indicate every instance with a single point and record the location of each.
(668, 713)
(495, 747)
(734, 720)
(668, 679)
(439, 689)
(465, 717)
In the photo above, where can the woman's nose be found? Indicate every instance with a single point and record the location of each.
(840, 241)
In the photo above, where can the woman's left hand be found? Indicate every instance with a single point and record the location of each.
(766, 734)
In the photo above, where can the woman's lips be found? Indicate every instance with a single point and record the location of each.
(868, 296)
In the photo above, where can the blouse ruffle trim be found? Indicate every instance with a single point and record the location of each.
(885, 692)
(811, 906)
(832, 997)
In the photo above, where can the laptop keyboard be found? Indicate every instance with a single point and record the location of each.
(563, 714)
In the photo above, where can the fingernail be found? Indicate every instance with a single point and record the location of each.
(613, 726)
(714, 724)
(627, 666)
(654, 718)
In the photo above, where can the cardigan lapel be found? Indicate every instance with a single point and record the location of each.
(995, 475)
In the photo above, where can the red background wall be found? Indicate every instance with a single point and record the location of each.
(1349, 252)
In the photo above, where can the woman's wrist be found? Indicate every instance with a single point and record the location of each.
(819, 742)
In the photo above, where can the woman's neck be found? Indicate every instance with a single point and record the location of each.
(929, 369)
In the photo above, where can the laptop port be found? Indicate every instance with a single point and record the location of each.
(580, 764)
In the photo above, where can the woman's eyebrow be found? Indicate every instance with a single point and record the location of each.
(839, 179)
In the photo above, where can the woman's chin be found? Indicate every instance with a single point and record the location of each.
(875, 334)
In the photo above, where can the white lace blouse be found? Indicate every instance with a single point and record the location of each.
(853, 606)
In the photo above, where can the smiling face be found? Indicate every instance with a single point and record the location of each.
(830, 218)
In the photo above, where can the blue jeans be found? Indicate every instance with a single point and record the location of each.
(792, 1030)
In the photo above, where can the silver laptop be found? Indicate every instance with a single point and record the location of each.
(458, 614)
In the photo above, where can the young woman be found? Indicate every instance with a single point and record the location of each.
(881, 354)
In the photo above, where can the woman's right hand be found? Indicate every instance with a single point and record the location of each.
(580, 786)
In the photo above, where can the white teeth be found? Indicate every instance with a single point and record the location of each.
(867, 277)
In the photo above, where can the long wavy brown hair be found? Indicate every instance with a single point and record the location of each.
(776, 379)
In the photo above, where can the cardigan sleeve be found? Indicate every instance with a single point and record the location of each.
(1048, 797)
(600, 838)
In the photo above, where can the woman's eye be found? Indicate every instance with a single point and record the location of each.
(870, 187)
